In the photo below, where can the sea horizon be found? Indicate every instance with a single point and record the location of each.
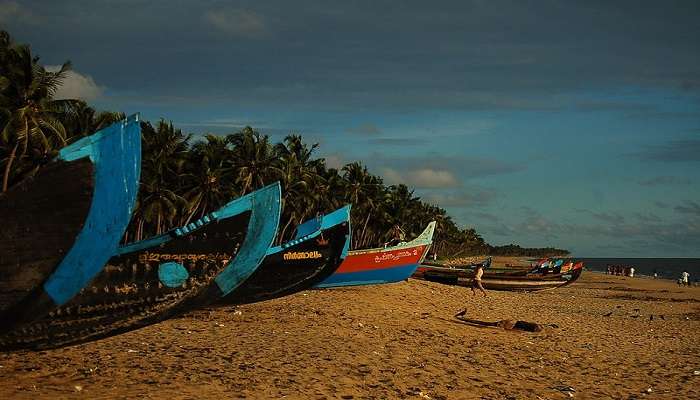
(664, 267)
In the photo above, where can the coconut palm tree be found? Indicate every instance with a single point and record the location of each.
(254, 159)
(30, 117)
(160, 202)
(208, 181)
(300, 177)
(365, 192)
(85, 120)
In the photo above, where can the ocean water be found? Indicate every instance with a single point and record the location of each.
(666, 268)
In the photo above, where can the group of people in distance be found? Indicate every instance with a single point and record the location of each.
(621, 270)
(684, 280)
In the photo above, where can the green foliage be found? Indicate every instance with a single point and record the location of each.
(31, 127)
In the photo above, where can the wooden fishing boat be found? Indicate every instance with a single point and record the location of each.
(511, 281)
(154, 279)
(60, 227)
(484, 264)
(382, 265)
(315, 253)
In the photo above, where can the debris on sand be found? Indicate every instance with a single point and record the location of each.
(507, 324)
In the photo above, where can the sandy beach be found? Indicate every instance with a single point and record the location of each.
(605, 337)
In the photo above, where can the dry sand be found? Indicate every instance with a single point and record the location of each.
(394, 341)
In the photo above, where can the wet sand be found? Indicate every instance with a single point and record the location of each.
(394, 341)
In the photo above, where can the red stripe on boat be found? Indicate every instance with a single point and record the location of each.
(381, 259)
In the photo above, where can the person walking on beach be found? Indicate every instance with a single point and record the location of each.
(684, 278)
(476, 282)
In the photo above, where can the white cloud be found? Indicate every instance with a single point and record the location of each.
(335, 160)
(421, 178)
(237, 22)
(77, 86)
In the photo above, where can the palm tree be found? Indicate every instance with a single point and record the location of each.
(208, 179)
(85, 120)
(160, 203)
(30, 117)
(254, 159)
(364, 191)
(300, 177)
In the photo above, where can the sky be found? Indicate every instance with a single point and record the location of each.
(573, 124)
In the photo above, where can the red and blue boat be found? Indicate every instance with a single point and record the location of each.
(382, 265)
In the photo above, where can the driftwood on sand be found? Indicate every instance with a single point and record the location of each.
(507, 324)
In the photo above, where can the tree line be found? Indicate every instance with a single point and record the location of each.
(184, 178)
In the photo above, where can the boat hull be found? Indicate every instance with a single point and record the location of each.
(499, 281)
(58, 274)
(25, 264)
(299, 264)
(157, 278)
(376, 266)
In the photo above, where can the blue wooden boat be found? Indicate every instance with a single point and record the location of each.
(316, 251)
(382, 265)
(151, 280)
(59, 228)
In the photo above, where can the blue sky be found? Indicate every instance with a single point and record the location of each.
(562, 123)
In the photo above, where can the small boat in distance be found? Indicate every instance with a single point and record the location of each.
(311, 257)
(382, 265)
(511, 281)
(60, 227)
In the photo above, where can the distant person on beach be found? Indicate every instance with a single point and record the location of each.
(631, 272)
(476, 282)
(684, 278)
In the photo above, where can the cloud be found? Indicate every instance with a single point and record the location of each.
(12, 12)
(690, 207)
(635, 236)
(77, 86)
(612, 218)
(400, 141)
(682, 150)
(237, 22)
(665, 180)
(420, 178)
(475, 197)
(661, 204)
(365, 129)
(335, 160)
(649, 217)
(486, 216)
(465, 167)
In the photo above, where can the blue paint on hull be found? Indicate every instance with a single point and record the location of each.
(172, 274)
(328, 221)
(265, 205)
(116, 153)
(370, 277)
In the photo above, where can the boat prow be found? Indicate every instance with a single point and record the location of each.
(154, 279)
(301, 263)
(59, 229)
(382, 265)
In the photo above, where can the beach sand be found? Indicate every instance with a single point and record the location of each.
(394, 341)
